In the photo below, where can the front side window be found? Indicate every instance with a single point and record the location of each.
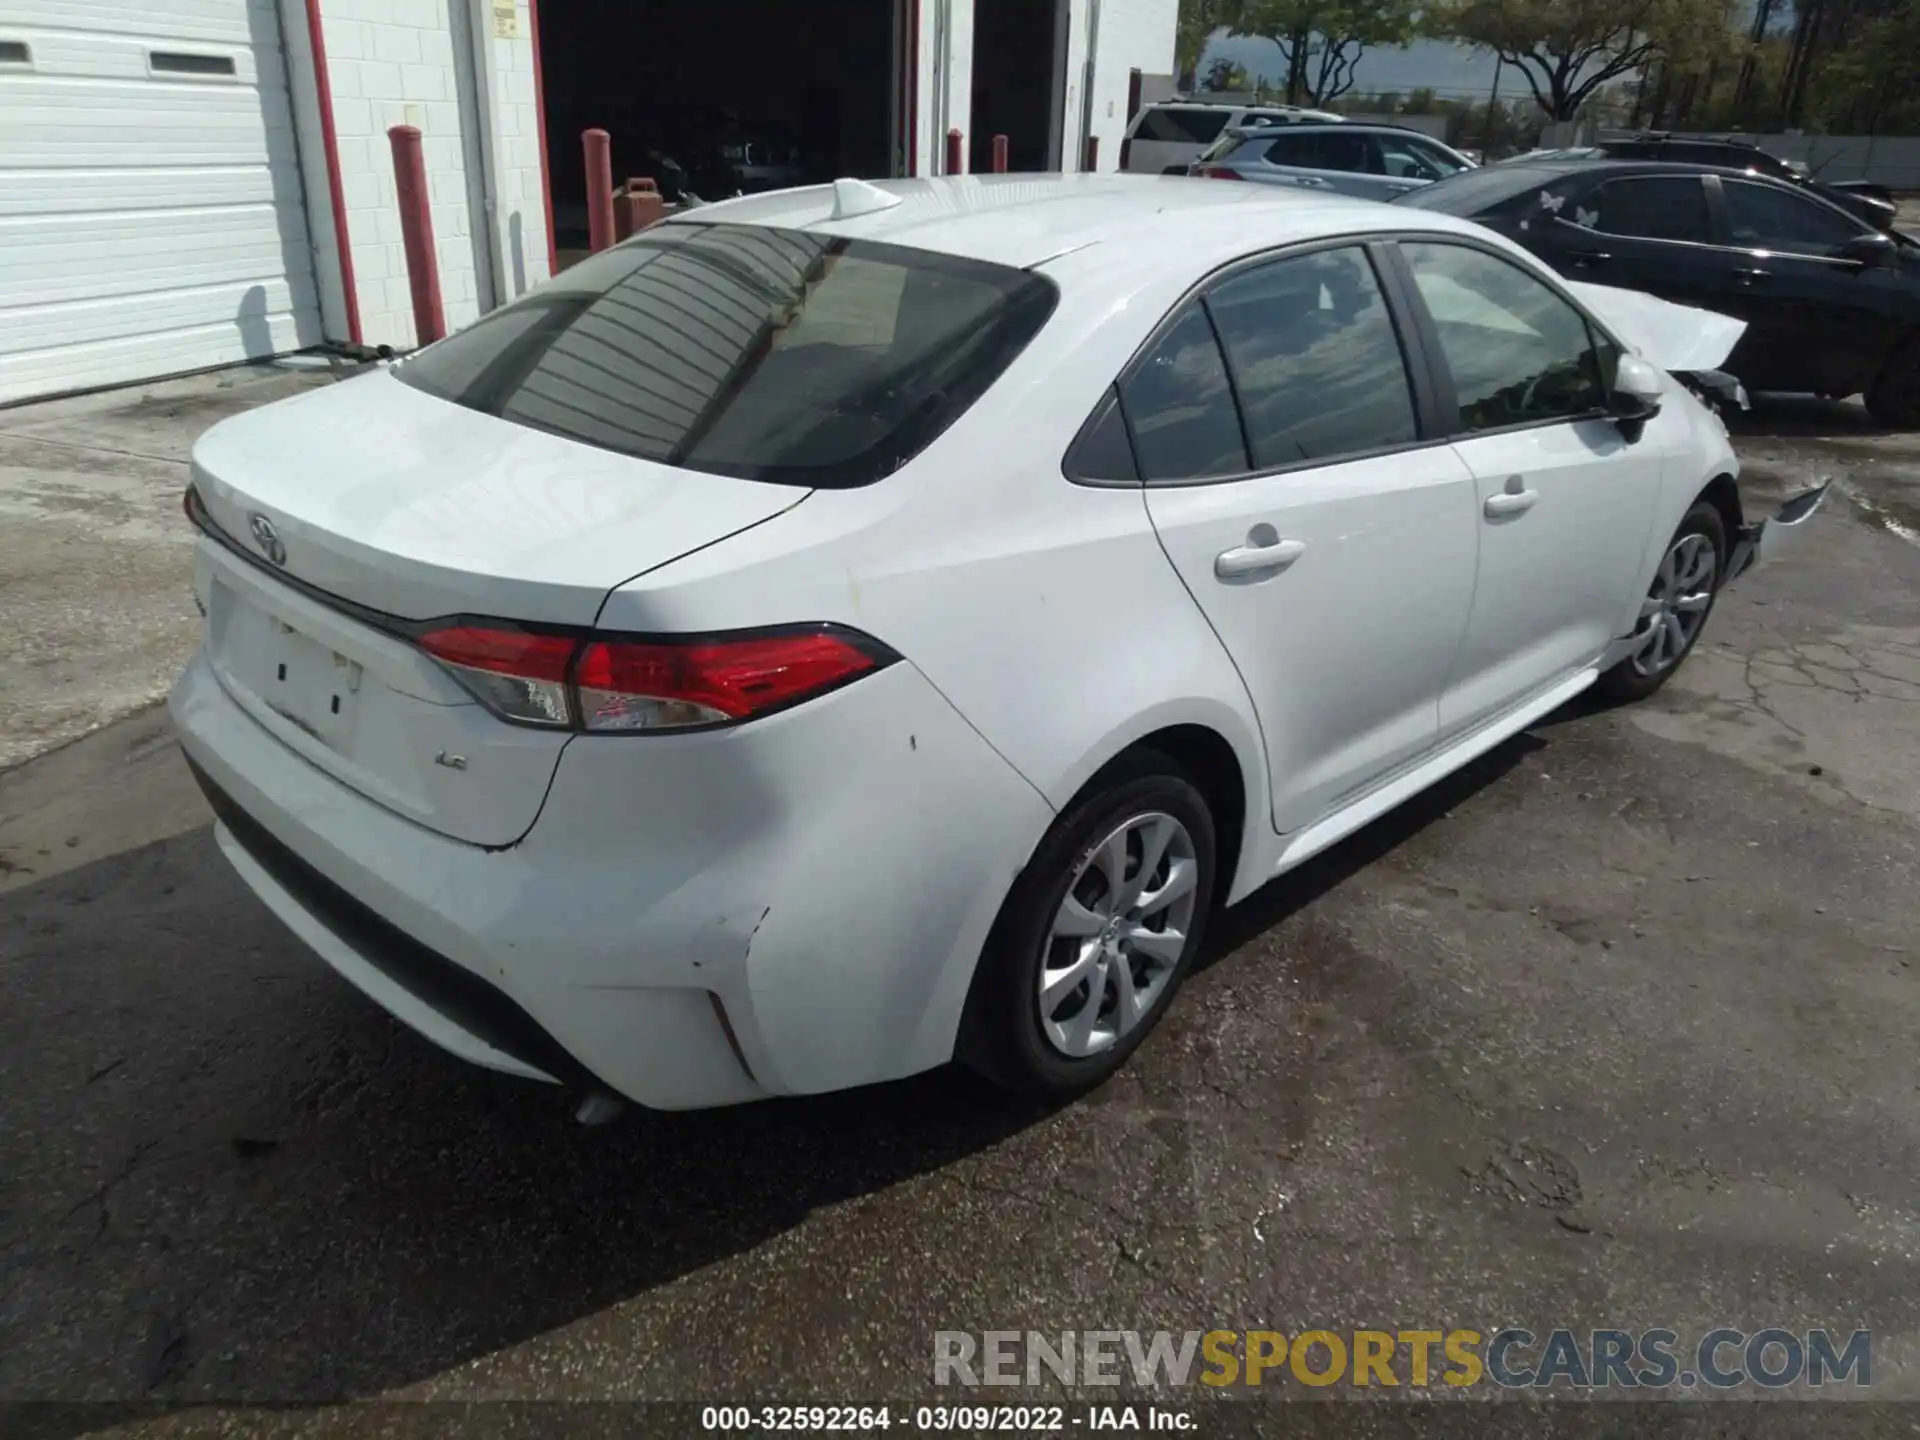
(1518, 353)
(1315, 358)
(1653, 207)
(1406, 158)
(777, 355)
(1180, 406)
(1769, 218)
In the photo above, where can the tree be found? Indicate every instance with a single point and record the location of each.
(1197, 22)
(1224, 75)
(1322, 40)
(1567, 49)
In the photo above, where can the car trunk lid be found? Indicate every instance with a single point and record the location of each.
(348, 516)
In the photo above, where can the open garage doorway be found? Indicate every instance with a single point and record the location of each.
(1019, 81)
(717, 96)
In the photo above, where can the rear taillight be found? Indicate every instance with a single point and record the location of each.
(612, 683)
(517, 675)
(1220, 172)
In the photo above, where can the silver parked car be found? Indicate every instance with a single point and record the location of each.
(1165, 137)
(1373, 162)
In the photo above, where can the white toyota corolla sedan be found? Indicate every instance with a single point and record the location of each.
(847, 628)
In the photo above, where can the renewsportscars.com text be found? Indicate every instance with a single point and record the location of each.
(1723, 1358)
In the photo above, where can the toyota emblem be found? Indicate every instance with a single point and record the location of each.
(267, 538)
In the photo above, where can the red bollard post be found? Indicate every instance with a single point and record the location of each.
(599, 148)
(956, 161)
(1093, 153)
(416, 233)
(999, 154)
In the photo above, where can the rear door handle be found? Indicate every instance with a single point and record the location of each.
(1511, 502)
(1252, 559)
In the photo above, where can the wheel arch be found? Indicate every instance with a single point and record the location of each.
(1723, 493)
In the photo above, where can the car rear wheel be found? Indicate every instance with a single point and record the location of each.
(1675, 608)
(1096, 935)
(1894, 399)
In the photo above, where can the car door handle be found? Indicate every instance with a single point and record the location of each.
(1252, 559)
(1753, 277)
(1589, 257)
(1511, 502)
(1311, 182)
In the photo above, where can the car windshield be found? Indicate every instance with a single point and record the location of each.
(1476, 191)
(777, 355)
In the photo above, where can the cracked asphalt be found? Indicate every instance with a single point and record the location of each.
(1616, 1028)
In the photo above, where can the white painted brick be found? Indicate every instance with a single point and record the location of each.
(394, 43)
(421, 83)
(443, 118)
(386, 226)
(352, 117)
(380, 80)
(343, 79)
(346, 40)
(372, 262)
(362, 191)
(436, 48)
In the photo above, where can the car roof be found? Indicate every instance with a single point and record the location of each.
(1026, 220)
(1345, 127)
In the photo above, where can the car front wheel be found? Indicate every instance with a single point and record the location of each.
(1096, 935)
(1675, 608)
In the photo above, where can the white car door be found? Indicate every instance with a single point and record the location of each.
(1298, 488)
(1565, 501)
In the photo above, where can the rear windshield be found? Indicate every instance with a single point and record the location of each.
(1477, 191)
(777, 355)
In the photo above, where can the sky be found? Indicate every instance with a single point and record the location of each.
(1437, 64)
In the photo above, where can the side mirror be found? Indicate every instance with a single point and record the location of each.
(1870, 251)
(1637, 391)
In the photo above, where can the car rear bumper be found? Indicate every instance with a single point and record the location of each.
(694, 920)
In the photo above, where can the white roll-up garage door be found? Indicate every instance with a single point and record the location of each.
(151, 218)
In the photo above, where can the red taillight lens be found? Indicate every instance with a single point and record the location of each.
(516, 674)
(649, 685)
(604, 683)
(1220, 172)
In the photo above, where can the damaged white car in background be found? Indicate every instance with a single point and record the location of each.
(848, 628)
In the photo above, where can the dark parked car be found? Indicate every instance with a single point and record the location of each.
(1871, 202)
(1832, 305)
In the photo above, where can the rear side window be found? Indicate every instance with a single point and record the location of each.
(1323, 151)
(1315, 358)
(775, 355)
(1654, 207)
(1180, 127)
(1180, 405)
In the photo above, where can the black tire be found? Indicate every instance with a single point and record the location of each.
(1002, 1036)
(1625, 681)
(1894, 399)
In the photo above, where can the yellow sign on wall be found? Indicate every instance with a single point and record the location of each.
(506, 19)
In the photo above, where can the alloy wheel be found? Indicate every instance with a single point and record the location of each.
(1118, 935)
(1676, 605)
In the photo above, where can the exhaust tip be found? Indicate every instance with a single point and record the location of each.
(598, 1107)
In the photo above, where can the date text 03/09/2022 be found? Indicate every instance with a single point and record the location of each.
(936, 1419)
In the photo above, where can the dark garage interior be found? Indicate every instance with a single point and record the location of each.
(1016, 68)
(716, 96)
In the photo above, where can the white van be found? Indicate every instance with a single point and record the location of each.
(1168, 135)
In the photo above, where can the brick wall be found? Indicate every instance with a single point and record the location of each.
(410, 62)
